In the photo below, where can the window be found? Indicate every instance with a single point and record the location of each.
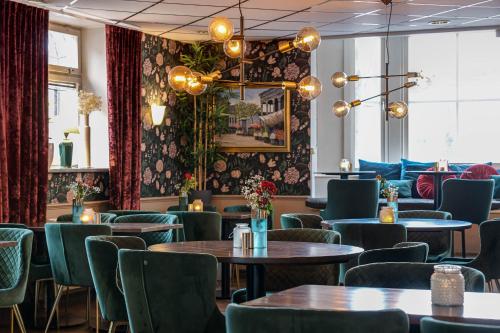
(63, 49)
(455, 113)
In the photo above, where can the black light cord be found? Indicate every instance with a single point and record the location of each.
(387, 35)
(239, 7)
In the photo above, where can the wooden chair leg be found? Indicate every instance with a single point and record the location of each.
(54, 307)
(12, 320)
(97, 316)
(19, 318)
(498, 285)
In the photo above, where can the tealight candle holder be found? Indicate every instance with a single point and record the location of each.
(387, 215)
(197, 205)
(190, 207)
(345, 165)
(443, 165)
(87, 216)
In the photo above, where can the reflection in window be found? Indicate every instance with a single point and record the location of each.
(63, 49)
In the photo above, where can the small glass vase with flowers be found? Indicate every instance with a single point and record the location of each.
(390, 192)
(189, 184)
(80, 191)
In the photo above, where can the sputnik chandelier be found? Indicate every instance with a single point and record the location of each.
(221, 30)
(399, 109)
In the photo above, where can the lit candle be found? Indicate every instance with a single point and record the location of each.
(345, 165)
(197, 205)
(443, 165)
(386, 215)
(87, 216)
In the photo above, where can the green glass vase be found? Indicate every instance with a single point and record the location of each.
(66, 153)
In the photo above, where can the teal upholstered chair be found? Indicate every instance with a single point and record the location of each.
(121, 212)
(488, 259)
(439, 241)
(404, 275)
(102, 252)
(105, 218)
(467, 200)
(368, 236)
(199, 226)
(206, 208)
(249, 319)
(151, 238)
(68, 258)
(350, 199)
(402, 252)
(431, 325)
(14, 270)
(170, 292)
(247, 209)
(299, 221)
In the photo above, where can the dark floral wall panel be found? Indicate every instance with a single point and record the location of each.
(59, 183)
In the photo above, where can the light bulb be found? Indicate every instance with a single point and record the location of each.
(307, 39)
(157, 113)
(398, 110)
(194, 85)
(232, 48)
(309, 87)
(339, 79)
(341, 108)
(178, 77)
(220, 29)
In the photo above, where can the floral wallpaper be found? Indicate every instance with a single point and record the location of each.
(161, 168)
(59, 185)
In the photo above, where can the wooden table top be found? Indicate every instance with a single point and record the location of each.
(276, 253)
(236, 215)
(412, 224)
(478, 307)
(5, 244)
(126, 228)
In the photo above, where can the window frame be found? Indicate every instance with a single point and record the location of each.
(62, 73)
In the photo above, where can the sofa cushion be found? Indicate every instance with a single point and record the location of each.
(479, 171)
(496, 192)
(387, 170)
(464, 166)
(406, 166)
(425, 185)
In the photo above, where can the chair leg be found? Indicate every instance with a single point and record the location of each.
(490, 286)
(12, 320)
(37, 290)
(498, 285)
(19, 318)
(464, 252)
(87, 314)
(237, 276)
(54, 307)
(97, 316)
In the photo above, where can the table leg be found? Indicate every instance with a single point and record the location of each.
(225, 281)
(463, 244)
(437, 191)
(255, 282)
(344, 177)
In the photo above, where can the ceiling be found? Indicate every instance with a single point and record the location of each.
(264, 19)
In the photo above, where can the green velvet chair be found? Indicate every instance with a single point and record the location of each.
(102, 252)
(68, 258)
(206, 208)
(403, 275)
(488, 259)
(105, 218)
(170, 292)
(300, 221)
(199, 226)
(368, 236)
(121, 212)
(402, 252)
(439, 241)
(249, 319)
(467, 200)
(14, 270)
(151, 238)
(247, 209)
(351, 199)
(431, 325)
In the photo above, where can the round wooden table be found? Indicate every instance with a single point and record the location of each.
(292, 253)
(412, 224)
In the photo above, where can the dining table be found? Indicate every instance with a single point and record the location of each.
(126, 228)
(478, 308)
(277, 253)
(346, 174)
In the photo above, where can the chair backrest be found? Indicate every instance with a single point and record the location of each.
(431, 325)
(402, 252)
(102, 253)
(151, 238)
(170, 292)
(349, 199)
(294, 221)
(247, 319)
(405, 276)
(468, 200)
(424, 214)
(121, 212)
(199, 226)
(247, 209)
(68, 258)
(206, 208)
(489, 255)
(105, 217)
(14, 264)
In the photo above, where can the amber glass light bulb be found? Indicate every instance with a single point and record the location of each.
(339, 79)
(398, 110)
(220, 29)
(309, 87)
(232, 47)
(307, 39)
(194, 85)
(178, 77)
(341, 109)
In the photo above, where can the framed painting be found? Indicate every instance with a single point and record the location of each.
(260, 123)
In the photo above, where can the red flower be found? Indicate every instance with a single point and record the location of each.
(188, 175)
(269, 187)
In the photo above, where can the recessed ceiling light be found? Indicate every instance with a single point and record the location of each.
(439, 22)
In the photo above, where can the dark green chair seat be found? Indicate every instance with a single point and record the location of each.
(170, 292)
(431, 325)
(404, 275)
(206, 208)
(151, 238)
(351, 199)
(402, 252)
(247, 209)
(102, 252)
(247, 319)
(121, 212)
(300, 221)
(105, 217)
(199, 226)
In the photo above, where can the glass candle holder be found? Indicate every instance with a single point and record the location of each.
(447, 285)
(345, 165)
(190, 207)
(87, 216)
(197, 205)
(386, 215)
(443, 165)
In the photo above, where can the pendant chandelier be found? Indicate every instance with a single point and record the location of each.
(399, 109)
(221, 30)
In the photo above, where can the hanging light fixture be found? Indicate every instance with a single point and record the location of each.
(220, 29)
(157, 114)
(399, 109)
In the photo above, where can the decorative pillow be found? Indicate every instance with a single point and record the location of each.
(387, 170)
(404, 187)
(425, 185)
(496, 192)
(479, 171)
(464, 166)
(406, 166)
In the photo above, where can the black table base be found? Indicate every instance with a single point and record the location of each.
(255, 282)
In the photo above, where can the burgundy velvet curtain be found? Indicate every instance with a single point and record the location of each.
(123, 51)
(23, 113)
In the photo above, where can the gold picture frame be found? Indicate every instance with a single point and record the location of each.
(260, 123)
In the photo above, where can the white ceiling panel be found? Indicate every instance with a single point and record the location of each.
(318, 17)
(378, 19)
(115, 5)
(349, 6)
(420, 9)
(294, 5)
(166, 19)
(280, 25)
(104, 14)
(256, 14)
(183, 9)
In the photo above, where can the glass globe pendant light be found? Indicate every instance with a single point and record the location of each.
(339, 79)
(194, 85)
(309, 87)
(220, 29)
(341, 109)
(398, 110)
(232, 48)
(307, 39)
(178, 77)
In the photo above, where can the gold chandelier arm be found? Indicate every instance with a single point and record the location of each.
(407, 85)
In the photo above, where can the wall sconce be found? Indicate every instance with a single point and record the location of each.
(157, 114)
